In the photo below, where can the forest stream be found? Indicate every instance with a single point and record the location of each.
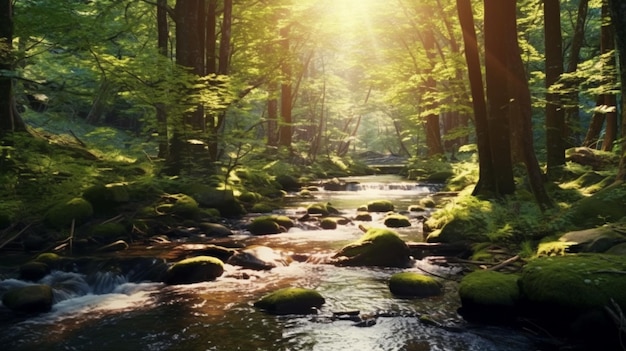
(108, 312)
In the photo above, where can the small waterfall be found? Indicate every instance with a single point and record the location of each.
(383, 187)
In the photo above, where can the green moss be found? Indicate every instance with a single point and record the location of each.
(291, 301)
(321, 208)
(427, 202)
(414, 284)
(489, 288)
(48, 258)
(29, 299)
(328, 223)
(262, 207)
(607, 205)
(250, 197)
(459, 230)
(575, 281)
(377, 247)
(271, 224)
(61, 215)
(194, 270)
(108, 231)
(380, 206)
(396, 221)
(363, 216)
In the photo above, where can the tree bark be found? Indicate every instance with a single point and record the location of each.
(610, 101)
(10, 120)
(555, 117)
(617, 9)
(500, 26)
(433, 133)
(572, 118)
(162, 44)
(285, 124)
(595, 126)
(486, 180)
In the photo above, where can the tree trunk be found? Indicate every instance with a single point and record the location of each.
(555, 118)
(10, 120)
(272, 115)
(433, 133)
(610, 101)
(595, 126)
(162, 44)
(285, 124)
(211, 38)
(486, 179)
(572, 118)
(500, 26)
(617, 9)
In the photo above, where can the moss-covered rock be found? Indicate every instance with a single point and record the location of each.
(596, 159)
(396, 221)
(377, 247)
(460, 230)
(291, 301)
(108, 232)
(34, 270)
(363, 216)
(194, 270)
(288, 183)
(440, 177)
(416, 208)
(607, 205)
(328, 223)
(250, 197)
(427, 202)
(489, 296)
(223, 200)
(61, 215)
(411, 284)
(598, 239)
(380, 206)
(272, 224)
(29, 299)
(105, 197)
(321, 208)
(215, 230)
(263, 207)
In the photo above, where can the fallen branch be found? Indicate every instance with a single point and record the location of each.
(15, 236)
(504, 263)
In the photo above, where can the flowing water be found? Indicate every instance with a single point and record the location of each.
(105, 311)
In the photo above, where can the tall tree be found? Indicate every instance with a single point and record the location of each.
(500, 22)
(472, 56)
(286, 97)
(617, 9)
(555, 117)
(10, 121)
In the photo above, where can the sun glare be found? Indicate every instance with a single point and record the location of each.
(351, 14)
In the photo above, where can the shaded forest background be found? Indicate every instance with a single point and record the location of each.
(203, 87)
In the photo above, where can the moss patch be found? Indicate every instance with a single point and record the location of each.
(194, 270)
(291, 301)
(380, 206)
(489, 296)
(61, 215)
(413, 284)
(377, 247)
(396, 221)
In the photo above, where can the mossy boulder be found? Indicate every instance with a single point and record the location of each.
(215, 230)
(596, 159)
(194, 270)
(108, 232)
(61, 215)
(263, 207)
(223, 200)
(396, 221)
(363, 216)
(321, 208)
(288, 183)
(570, 293)
(272, 224)
(411, 284)
(380, 206)
(291, 301)
(105, 197)
(440, 177)
(416, 208)
(328, 223)
(34, 270)
(597, 240)
(489, 296)
(377, 247)
(29, 299)
(460, 230)
(427, 202)
(606, 205)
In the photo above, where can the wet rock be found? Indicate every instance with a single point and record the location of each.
(320, 208)
(215, 229)
(291, 301)
(258, 257)
(29, 299)
(34, 271)
(489, 296)
(363, 216)
(380, 206)
(272, 224)
(194, 270)
(377, 247)
(411, 284)
(396, 221)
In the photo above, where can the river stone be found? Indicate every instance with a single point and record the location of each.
(363, 216)
(570, 293)
(264, 225)
(214, 229)
(258, 257)
(328, 223)
(194, 270)
(489, 296)
(413, 284)
(29, 299)
(396, 221)
(380, 206)
(291, 301)
(34, 271)
(377, 247)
